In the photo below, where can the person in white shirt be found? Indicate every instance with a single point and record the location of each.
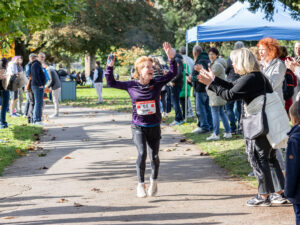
(12, 68)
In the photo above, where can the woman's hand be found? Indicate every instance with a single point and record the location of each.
(292, 64)
(206, 77)
(111, 61)
(198, 67)
(170, 52)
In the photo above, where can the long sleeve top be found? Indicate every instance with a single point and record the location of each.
(144, 98)
(292, 178)
(37, 74)
(247, 88)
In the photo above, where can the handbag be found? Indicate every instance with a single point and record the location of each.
(28, 85)
(255, 125)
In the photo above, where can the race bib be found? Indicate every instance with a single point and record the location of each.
(145, 107)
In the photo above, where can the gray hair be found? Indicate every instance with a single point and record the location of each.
(182, 50)
(238, 45)
(32, 55)
(197, 49)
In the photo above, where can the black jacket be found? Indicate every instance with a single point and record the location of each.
(231, 75)
(62, 73)
(100, 75)
(292, 177)
(178, 80)
(38, 78)
(203, 60)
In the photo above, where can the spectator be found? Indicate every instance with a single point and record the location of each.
(62, 73)
(203, 111)
(12, 68)
(274, 69)
(176, 86)
(78, 78)
(4, 94)
(233, 108)
(98, 81)
(28, 111)
(250, 87)
(297, 73)
(188, 65)
(217, 103)
(38, 81)
(55, 86)
(292, 179)
(73, 76)
(290, 81)
(91, 77)
(20, 90)
(83, 78)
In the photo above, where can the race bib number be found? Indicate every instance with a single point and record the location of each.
(145, 107)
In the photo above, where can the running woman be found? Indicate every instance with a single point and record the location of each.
(144, 92)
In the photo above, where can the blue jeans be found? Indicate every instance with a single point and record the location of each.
(217, 112)
(4, 95)
(297, 213)
(234, 110)
(175, 93)
(203, 111)
(38, 94)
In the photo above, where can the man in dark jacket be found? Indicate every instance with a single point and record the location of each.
(203, 110)
(176, 86)
(62, 73)
(233, 108)
(38, 81)
(98, 81)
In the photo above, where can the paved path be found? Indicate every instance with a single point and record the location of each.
(100, 178)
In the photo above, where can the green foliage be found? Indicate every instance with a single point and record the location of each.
(268, 7)
(20, 17)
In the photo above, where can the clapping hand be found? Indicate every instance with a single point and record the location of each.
(170, 52)
(206, 77)
(292, 64)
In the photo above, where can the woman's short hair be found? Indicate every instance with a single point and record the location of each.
(244, 61)
(138, 65)
(214, 50)
(295, 111)
(284, 52)
(273, 47)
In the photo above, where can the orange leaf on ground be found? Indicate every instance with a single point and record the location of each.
(68, 157)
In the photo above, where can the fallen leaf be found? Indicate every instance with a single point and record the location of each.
(183, 140)
(66, 113)
(77, 204)
(8, 217)
(190, 141)
(176, 144)
(42, 154)
(68, 157)
(96, 190)
(39, 148)
(30, 148)
(113, 120)
(53, 138)
(120, 137)
(188, 149)
(62, 200)
(85, 139)
(43, 168)
(204, 153)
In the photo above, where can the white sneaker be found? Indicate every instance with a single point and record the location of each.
(39, 124)
(152, 191)
(195, 131)
(227, 135)
(141, 190)
(213, 137)
(53, 115)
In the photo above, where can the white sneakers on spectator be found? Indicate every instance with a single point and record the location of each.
(141, 190)
(152, 191)
(227, 135)
(39, 124)
(213, 137)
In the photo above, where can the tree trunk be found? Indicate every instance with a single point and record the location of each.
(89, 63)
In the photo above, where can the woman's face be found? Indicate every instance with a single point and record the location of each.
(212, 56)
(147, 71)
(20, 61)
(263, 52)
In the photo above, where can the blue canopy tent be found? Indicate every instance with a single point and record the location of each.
(238, 23)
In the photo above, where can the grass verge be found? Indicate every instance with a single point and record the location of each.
(17, 140)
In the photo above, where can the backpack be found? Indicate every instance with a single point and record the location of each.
(288, 85)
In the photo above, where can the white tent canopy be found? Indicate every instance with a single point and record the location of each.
(238, 23)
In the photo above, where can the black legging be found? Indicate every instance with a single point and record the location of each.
(141, 137)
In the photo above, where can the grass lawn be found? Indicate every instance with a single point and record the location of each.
(17, 140)
(229, 154)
